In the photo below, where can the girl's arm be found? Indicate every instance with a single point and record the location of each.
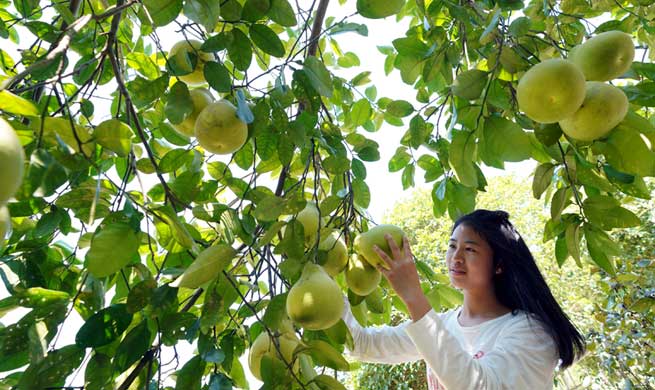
(385, 344)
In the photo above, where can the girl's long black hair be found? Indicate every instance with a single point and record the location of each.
(520, 285)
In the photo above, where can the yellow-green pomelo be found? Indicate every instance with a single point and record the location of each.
(219, 130)
(315, 301)
(364, 243)
(604, 57)
(12, 161)
(309, 218)
(361, 277)
(5, 224)
(192, 47)
(377, 9)
(201, 97)
(206, 267)
(264, 346)
(604, 107)
(112, 247)
(336, 257)
(551, 90)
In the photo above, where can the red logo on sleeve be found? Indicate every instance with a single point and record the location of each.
(478, 355)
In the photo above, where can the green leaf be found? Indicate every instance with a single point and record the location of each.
(336, 164)
(408, 176)
(400, 108)
(573, 237)
(98, 371)
(254, 10)
(349, 60)
(179, 104)
(133, 346)
(203, 12)
(282, 13)
(470, 84)
(561, 250)
(411, 46)
(326, 382)
(461, 157)
(360, 112)
(267, 40)
(548, 134)
(53, 370)
(206, 267)
(270, 208)
(104, 326)
(112, 247)
(318, 75)
(601, 248)
(431, 166)
(504, 140)
(219, 382)
(114, 135)
(144, 91)
(399, 160)
(519, 27)
(626, 150)
(140, 295)
(361, 193)
(543, 176)
(175, 159)
(14, 104)
(190, 376)
(163, 12)
(326, 355)
(559, 202)
(607, 213)
(217, 76)
(143, 64)
(239, 50)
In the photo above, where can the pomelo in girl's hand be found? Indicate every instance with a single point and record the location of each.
(361, 277)
(604, 107)
(12, 160)
(5, 224)
(315, 301)
(219, 130)
(364, 242)
(604, 57)
(551, 91)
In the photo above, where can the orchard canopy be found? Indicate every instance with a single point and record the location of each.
(185, 163)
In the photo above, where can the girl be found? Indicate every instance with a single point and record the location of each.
(509, 333)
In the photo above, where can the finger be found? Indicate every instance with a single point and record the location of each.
(407, 250)
(386, 260)
(395, 251)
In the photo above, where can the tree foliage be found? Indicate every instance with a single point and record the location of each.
(115, 204)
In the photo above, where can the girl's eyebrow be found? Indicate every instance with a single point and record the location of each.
(466, 241)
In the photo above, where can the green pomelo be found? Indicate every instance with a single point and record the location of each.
(219, 130)
(551, 91)
(264, 346)
(201, 98)
(336, 257)
(192, 47)
(364, 243)
(315, 301)
(361, 277)
(604, 57)
(604, 107)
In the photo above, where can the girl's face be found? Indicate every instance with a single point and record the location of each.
(470, 260)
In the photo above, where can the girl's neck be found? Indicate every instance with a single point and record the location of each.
(482, 306)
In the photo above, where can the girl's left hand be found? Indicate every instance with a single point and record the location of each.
(403, 276)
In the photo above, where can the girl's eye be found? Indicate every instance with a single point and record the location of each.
(451, 246)
(470, 249)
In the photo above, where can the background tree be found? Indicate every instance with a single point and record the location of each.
(154, 235)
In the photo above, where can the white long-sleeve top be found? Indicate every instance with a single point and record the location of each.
(508, 352)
